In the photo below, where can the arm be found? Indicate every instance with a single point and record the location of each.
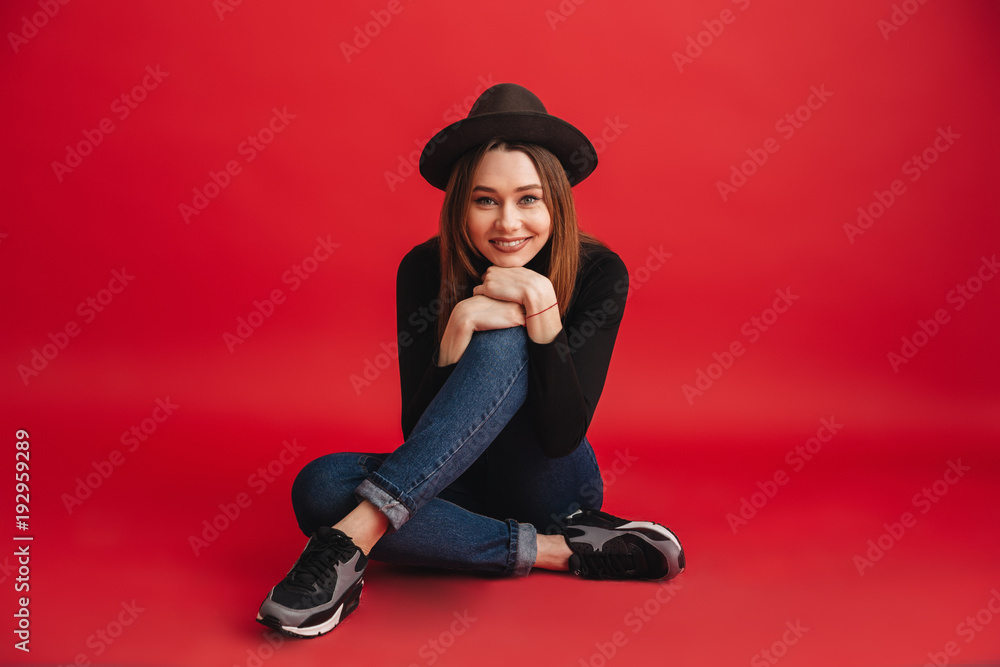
(528, 290)
(567, 375)
(477, 313)
(417, 305)
(424, 366)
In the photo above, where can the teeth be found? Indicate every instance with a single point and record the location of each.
(510, 244)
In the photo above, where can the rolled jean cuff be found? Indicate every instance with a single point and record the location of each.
(394, 508)
(523, 548)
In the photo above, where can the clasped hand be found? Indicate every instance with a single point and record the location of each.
(508, 293)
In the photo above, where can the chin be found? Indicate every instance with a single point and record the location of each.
(507, 261)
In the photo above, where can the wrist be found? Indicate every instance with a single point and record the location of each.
(543, 322)
(535, 300)
(544, 328)
(462, 323)
(542, 311)
(456, 338)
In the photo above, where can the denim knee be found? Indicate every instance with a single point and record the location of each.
(323, 491)
(500, 342)
(508, 336)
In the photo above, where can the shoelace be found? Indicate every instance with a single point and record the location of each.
(320, 556)
(604, 565)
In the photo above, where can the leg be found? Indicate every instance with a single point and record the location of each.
(533, 488)
(447, 532)
(543, 491)
(483, 393)
(566, 494)
(487, 387)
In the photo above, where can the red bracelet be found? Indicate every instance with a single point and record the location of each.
(542, 311)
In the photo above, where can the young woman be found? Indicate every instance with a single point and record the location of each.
(506, 324)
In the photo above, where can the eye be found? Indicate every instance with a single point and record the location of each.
(530, 199)
(485, 201)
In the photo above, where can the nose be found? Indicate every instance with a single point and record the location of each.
(508, 218)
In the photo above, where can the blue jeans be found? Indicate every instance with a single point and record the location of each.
(453, 500)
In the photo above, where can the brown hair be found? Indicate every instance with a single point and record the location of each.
(457, 250)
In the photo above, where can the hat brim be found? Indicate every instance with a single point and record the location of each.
(572, 148)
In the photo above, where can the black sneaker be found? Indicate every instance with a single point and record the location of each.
(606, 547)
(320, 590)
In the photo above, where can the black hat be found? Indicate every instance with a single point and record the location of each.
(511, 112)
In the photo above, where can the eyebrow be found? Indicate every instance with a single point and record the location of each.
(483, 188)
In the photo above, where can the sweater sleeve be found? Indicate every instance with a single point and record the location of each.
(417, 307)
(566, 376)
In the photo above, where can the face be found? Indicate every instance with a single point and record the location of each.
(508, 220)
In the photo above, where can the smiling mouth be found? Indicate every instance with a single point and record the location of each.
(509, 246)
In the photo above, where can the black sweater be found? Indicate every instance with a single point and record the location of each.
(565, 377)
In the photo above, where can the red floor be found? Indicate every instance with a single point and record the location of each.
(788, 585)
(876, 207)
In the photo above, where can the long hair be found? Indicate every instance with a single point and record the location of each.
(458, 275)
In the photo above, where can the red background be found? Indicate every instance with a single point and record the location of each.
(679, 130)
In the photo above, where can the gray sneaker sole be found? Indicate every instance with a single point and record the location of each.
(320, 623)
